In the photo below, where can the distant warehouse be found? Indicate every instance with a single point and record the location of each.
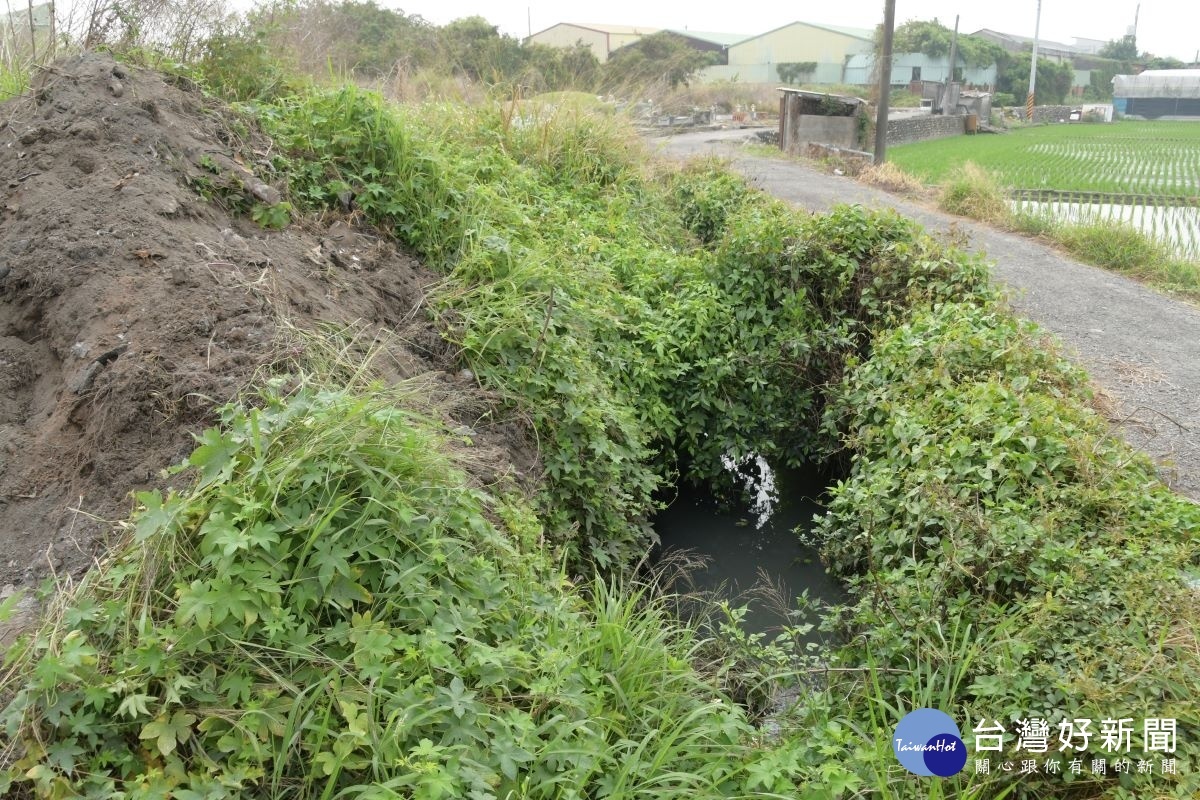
(1158, 94)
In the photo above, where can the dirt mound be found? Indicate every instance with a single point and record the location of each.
(134, 298)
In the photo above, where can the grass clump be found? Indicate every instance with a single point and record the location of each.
(1115, 246)
(970, 191)
(1123, 248)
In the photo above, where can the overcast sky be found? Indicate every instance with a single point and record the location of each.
(1165, 27)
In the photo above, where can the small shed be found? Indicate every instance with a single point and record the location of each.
(814, 117)
(1158, 93)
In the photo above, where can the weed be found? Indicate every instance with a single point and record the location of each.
(972, 192)
(1115, 246)
(890, 177)
(331, 609)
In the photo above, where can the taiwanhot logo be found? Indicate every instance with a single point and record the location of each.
(927, 742)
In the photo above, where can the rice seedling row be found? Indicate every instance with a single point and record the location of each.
(1160, 159)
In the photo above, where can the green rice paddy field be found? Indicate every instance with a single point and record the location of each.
(1149, 159)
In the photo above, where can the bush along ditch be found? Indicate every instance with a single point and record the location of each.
(335, 610)
(632, 317)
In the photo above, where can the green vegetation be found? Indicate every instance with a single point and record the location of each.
(1054, 79)
(1130, 168)
(662, 59)
(1012, 70)
(933, 39)
(973, 192)
(643, 356)
(13, 81)
(795, 71)
(1008, 552)
(1149, 159)
(334, 608)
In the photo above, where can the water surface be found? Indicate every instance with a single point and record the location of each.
(739, 554)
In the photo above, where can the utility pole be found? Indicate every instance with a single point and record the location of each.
(885, 80)
(1037, 29)
(953, 64)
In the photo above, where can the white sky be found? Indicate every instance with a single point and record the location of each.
(1165, 27)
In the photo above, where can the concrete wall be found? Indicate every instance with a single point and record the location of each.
(860, 68)
(739, 73)
(836, 131)
(766, 73)
(798, 42)
(921, 128)
(1050, 113)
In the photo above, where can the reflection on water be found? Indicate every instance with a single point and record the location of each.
(739, 554)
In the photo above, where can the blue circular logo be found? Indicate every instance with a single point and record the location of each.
(927, 742)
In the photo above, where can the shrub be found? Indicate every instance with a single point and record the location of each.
(983, 493)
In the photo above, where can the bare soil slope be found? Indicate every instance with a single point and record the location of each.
(131, 305)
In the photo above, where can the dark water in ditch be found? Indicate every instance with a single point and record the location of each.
(741, 556)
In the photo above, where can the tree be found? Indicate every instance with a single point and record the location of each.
(1150, 61)
(1123, 49)
(474, 48)
(355, 36)
(662, 57)
(1054, 80)
(933, 39)
(550, 68)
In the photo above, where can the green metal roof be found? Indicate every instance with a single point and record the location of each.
(857, 33)
(723, 39)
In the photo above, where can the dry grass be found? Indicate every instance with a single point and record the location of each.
(890, 177)
(971, 191)
(726, 96)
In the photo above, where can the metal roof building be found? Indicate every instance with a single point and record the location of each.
(1158, 93)
(756, 59)
(601, 39)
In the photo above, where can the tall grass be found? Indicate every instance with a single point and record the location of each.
(14, 80)
(971, 191)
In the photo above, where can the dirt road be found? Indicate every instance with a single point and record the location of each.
(1142, 348)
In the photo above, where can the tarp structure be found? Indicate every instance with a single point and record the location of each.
(1158, 93)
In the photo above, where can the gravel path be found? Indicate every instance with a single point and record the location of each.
(1141, 348)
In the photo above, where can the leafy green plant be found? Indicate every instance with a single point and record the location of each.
(275, 217)
(332, 611)
(983, 493)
